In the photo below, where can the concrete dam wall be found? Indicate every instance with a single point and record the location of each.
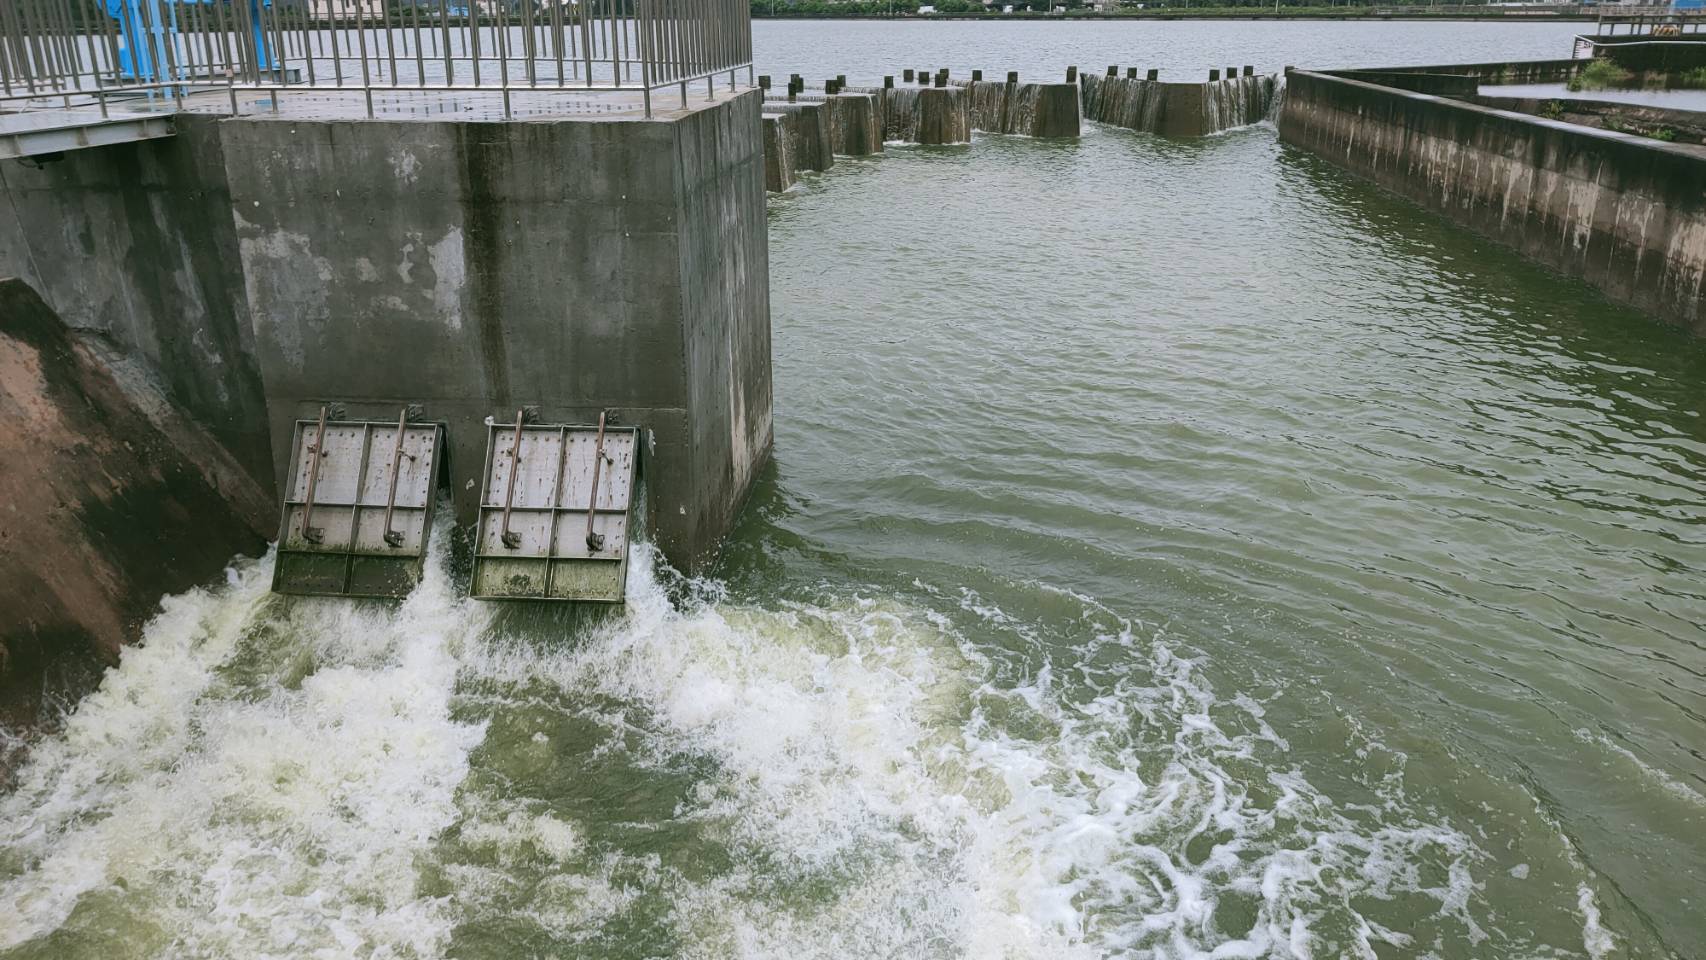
(1626, 213)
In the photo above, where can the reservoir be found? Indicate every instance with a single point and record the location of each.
(1172, 549)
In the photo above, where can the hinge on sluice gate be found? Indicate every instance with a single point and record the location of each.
(357, 506)
(555, 512)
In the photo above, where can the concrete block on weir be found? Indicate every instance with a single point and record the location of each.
(976, 75)
(905, 75)
(1071, 74)
(1046, 110)
(1012, 76)
(1249, 71)
(779, 172)
(1131, 73)
(856, 125)
(813, 134)
(943, 116)
(1153, 76)
(1214, 76)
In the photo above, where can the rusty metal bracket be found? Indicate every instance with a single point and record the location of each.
(393, 538)
(510, 538)
(311, 533)
(594, 540)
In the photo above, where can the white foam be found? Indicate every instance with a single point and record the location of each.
(212, 798)
(1596, 940)
(270, 777)
(869, 749)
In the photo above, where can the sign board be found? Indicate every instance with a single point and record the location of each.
(555, 513)
(358, 507)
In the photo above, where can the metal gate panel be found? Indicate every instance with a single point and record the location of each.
(358, 508)
(533, 542)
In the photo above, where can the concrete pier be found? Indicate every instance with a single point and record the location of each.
(568, 267)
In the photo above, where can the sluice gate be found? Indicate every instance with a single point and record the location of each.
(358, 507)
(555, 517)
(555, 512)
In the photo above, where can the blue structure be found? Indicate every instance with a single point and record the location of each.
(1690, 5)
(147, 26)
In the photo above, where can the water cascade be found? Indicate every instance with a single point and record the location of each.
(1237, 101)
(1180, 109)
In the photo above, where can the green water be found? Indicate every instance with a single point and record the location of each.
(1172, 549)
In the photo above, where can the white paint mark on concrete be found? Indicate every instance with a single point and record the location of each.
(449, 277)
(406, 266)
(405, 166)
(287, 286)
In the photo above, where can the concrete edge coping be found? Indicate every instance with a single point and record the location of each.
(1683, 150)
(1445, 67)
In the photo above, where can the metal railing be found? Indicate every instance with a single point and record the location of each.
(1659, 22)
(78, 52)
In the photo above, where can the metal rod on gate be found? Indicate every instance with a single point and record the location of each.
(512, 540)
(595, 540)
(311, 533)
(392, 537)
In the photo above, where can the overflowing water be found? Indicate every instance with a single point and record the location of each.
(1174, 549)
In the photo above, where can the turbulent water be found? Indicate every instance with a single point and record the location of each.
(1174, 549)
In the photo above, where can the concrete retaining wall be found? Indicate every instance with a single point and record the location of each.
(113, 496)
(136, 241)
(1628, 214)
(1505, 71)
(1646, 54)
(475, 268)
